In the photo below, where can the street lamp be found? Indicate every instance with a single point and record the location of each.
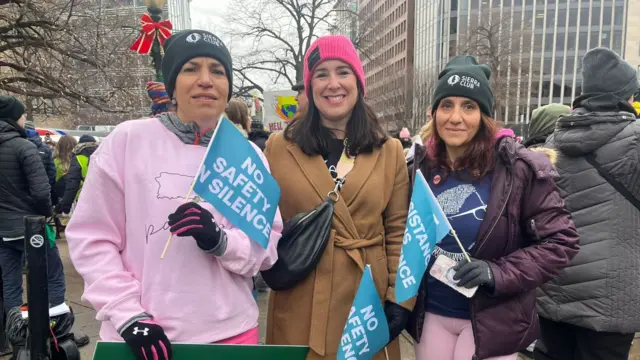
(154, 8)
(157, 4)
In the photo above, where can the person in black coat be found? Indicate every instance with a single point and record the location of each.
(258, 135)
(73, 182)
(46, 155)
(25, 190)
(24, 186)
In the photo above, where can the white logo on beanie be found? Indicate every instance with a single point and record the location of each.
(466, 81)
(213, 40)
(193, 38)
(469, 82)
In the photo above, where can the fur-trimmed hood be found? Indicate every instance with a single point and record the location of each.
(86, 148)
(551, 154)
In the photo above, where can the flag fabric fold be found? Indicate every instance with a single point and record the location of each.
(366, 331)
(426, 226)
(234, 179)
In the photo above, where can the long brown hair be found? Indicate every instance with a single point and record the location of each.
(64, 151)
(478, 158)
(238, 112)
(364, 130)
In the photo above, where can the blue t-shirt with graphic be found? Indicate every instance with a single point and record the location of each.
(464, 202)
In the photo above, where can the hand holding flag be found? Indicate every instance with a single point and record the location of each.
(236, 182)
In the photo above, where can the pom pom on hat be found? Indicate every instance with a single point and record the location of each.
(405, 134)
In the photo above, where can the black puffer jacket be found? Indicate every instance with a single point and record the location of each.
(74, 177)
(600, 290)
(259, 137)
(24, 185)
(47, 159)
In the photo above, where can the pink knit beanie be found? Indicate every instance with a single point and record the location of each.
(404, 133)
(332, 47)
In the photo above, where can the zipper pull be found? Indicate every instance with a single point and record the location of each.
(199, 134)
(534, 230)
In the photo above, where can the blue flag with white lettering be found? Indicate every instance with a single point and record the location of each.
(427, 225)
(366, 331)
(235, 181)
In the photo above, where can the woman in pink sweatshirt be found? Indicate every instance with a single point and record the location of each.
(133, 197)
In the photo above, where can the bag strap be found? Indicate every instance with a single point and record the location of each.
(591, 158)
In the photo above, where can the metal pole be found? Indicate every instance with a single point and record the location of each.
(156, 52)
(4, 343)
(36, 247)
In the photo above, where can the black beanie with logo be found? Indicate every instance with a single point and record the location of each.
(464, 77)
(189, 44)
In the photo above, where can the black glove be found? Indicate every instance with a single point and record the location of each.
(147, 340)
(475, 273)
(193, 220)
(397, 318)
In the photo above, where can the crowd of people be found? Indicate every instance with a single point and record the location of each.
(550, 225)
(36, 178)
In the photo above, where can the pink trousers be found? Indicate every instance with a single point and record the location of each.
(247, 338)
(446, 338)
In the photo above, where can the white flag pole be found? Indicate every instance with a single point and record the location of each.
(453, 232)
(193, 182)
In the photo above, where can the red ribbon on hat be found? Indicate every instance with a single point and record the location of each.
(150, 30)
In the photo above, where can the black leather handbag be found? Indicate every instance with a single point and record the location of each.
(304, 239)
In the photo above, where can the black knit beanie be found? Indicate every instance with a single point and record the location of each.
(188, 44)
(464, 77)
(11, 108)
(604, 71)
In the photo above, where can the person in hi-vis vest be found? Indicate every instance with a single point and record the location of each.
(77, 172)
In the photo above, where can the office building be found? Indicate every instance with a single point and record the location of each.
(534, 47)
(180, 14)
(345, 20)
(385, 43)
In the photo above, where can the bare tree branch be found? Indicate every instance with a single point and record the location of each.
(501, 49)
(281, 32)
(70, 57)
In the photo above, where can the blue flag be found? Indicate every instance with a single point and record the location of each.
(427, 225)
(366, 331)
(236, 182)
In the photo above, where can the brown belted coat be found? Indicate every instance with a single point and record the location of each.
(368, 226)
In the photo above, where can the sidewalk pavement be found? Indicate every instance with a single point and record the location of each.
(86, 322)
(86, 316)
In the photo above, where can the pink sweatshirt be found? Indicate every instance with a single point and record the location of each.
(137, 177)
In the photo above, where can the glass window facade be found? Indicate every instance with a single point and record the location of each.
(535, 47)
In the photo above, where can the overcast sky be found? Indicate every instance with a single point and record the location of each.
(210, 15)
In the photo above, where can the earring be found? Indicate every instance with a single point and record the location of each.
(173, 101)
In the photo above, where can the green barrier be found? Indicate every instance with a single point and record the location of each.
(120, 351)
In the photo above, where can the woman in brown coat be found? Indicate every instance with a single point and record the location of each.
(312, 156)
